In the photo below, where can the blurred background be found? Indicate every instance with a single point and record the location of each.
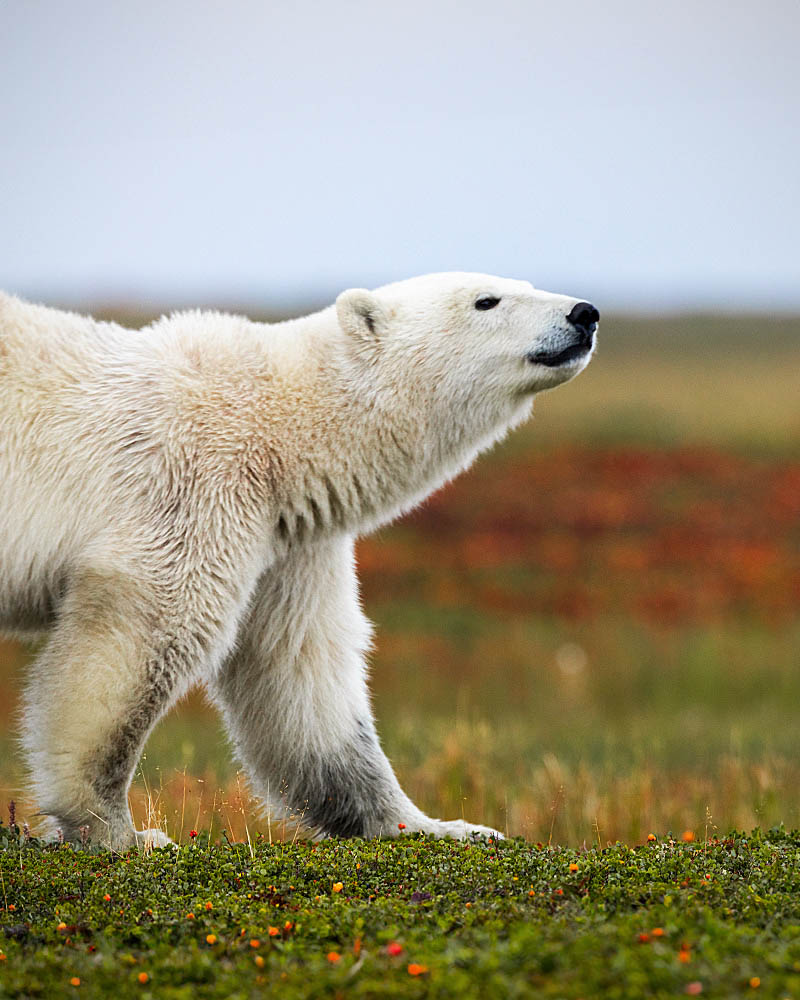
(595, 633)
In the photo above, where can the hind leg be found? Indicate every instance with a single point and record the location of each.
(111, 669)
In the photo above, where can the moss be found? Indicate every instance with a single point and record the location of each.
(507, 919)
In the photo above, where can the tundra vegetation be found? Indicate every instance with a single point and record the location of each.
(590, 638)
(403, 918)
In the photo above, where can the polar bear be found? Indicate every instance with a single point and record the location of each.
(179, 506)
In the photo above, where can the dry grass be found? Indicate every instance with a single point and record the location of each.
(544, 800)
(548, 799)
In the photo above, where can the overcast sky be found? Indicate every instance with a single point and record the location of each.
(638, 154)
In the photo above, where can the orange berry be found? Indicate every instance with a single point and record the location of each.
(531, 893)
(190, 916)
(255, 943)
(415, 969)
(643, 938)
(684, 955)
(688, 836)
(209, 906)
(657, 932)
(259, 960)
(62, 926)
(333, 957)
(401, 826)
(107, 898)
(288, 925)
(651, 837)
(755, 982)
(211, 938)
(74, 981)
(143, 977)
(394, 948)
(11, 907)
(273, 932)
(573, 867)
(338, 886)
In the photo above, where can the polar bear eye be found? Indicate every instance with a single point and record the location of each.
(487, 302)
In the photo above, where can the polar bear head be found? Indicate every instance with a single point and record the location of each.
(487, 342)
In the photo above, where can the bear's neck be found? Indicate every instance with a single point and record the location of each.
(363, 452)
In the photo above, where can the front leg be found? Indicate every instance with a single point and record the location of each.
(295, 701)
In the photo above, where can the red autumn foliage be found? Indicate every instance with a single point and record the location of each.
(689, 534)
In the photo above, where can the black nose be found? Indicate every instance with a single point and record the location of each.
(584, 317)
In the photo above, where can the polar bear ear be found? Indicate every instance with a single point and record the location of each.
(361, 314)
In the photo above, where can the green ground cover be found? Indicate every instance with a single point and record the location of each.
(405, 918)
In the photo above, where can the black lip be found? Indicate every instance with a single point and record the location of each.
(552, 359)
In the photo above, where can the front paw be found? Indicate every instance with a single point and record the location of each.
(460, 829)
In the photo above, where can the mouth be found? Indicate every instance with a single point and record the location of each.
(554, 359)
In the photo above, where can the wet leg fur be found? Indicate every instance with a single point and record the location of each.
(295, 701)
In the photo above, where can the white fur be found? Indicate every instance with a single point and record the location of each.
(179, 506)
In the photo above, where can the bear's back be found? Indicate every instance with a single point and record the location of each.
(43, 349)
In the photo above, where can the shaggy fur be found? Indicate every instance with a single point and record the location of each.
(179, 506)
